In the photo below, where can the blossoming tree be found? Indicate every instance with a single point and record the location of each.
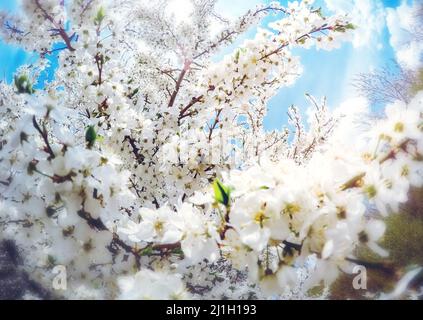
(144, 169)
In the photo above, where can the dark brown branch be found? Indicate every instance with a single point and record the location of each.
(135, 150)
(99, 61)
(85, 8)
(215, 123)
(61, 179)
(98, 225)
(6, 183)
(290, 245)
(61, 31)
(44, 135)
(193, 101)
(167, 247)
(179, 83)
(134, 186)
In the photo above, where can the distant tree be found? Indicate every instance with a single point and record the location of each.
(387, 84)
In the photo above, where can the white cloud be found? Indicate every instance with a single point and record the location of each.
(351, 115)
(368, 16)
(402, 23)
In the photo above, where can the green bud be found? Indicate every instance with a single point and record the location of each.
(237, 55)
(90, 136)
(100, 16)
(51, 211)
(319, 12)
(222, 193)
(23, 137)
(350, 26)
(302, 40)
(23, 84)
(32, 167)
(51, 261)
(147, 251)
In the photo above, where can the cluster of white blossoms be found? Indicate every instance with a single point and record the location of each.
(144, 167)
(273, 217)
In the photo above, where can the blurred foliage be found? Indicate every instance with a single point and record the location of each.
(404, 230)
(418, 84)
(404, 241)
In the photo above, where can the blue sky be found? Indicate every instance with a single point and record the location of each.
(330, 73)
(325, 73)
(11, 57)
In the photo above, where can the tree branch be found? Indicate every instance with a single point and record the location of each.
(44, 135)
(60, 30)
(181, 77)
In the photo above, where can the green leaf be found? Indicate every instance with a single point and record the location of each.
(237, 55)
(100, 139)
(302, 40)
(343, 29)
(100, 16)
(222, 193)
(51, 261)
(319, 12)
(23, 84)
(147, 251)
(90, 136)
(23, 137)
(350, 26)
(177, 251)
